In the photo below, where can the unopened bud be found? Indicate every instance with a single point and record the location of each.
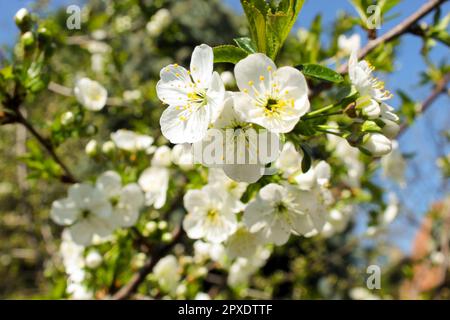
(67, 118)
(27, 39)
(91, 148)
(376, 144)
(108, 147)
(23, 20)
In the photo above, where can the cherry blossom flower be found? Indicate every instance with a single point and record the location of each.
(194, 98)
(91, 94)
(272, 98)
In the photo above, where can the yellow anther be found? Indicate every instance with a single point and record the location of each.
(261, 78)
(250, 83)
(269, 68)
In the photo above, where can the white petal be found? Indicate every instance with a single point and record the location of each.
(174, 85)
(202, 65)
(65, 211)
(249, 173)
(183, 126)
(215, 96)
(110, 183)
(194, 200)
(254, 73)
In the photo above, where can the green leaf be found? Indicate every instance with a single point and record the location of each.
(320, 72)
(306, 161)
(270, 25)
(229, 53)
(246, 44)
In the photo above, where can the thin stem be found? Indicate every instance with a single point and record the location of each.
(322, 115)
(68, 176)
(400, 29)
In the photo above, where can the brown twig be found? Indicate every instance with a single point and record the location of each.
(440, 88)
(68, 177)
(400, 29)
(131, 287)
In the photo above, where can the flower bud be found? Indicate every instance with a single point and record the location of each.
(67, 118)
(368, 107)
(166, 237)
(23, 19)
(228, 78)
(91, 148)
(376, 144)
(27, 39)
(93, 259)
(151, 227)
(162, 225)
(390, 128)
(108, 147)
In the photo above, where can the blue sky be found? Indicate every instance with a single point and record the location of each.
(425, 183)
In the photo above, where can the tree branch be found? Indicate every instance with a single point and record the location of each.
(440, 88)
(400, 29)
(132, 286)
(68, 177)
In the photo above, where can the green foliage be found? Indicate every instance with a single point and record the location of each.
(270, 24)
(320, 72)
(229, 54)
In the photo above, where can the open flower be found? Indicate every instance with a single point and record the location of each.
(86, 211)
(280, 210)
(349, 44)
(166, 271)
(91, 94)
(361, 77)
(236, 146)
(155, 182)
(126, 201)
(273, 98)
(194, 98)
(211, 214)
(155, 179)
(131, 141)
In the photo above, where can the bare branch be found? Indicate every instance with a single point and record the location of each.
(400, 29)
(440, 88)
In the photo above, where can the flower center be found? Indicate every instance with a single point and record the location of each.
(198, 97)
(281, 207)
(85, 213)
(274, 107)
(212, 214)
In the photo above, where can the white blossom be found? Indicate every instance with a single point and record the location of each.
(273, 98)
(86, 211)
(349, 44)
(93, 259)
(126, 200)
(220, 179)
(166, 271)
(243, 243)
(131, 141)
(91, 94)
(155, 182)
(211, 214)
(243, 268)
(280, 210)
(194, 98)
(376, 144)
(394, 165)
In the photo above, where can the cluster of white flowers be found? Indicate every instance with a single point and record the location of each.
(373, 106)
(269, 98)
(75, 263)
(92, 213)
(158, 22)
